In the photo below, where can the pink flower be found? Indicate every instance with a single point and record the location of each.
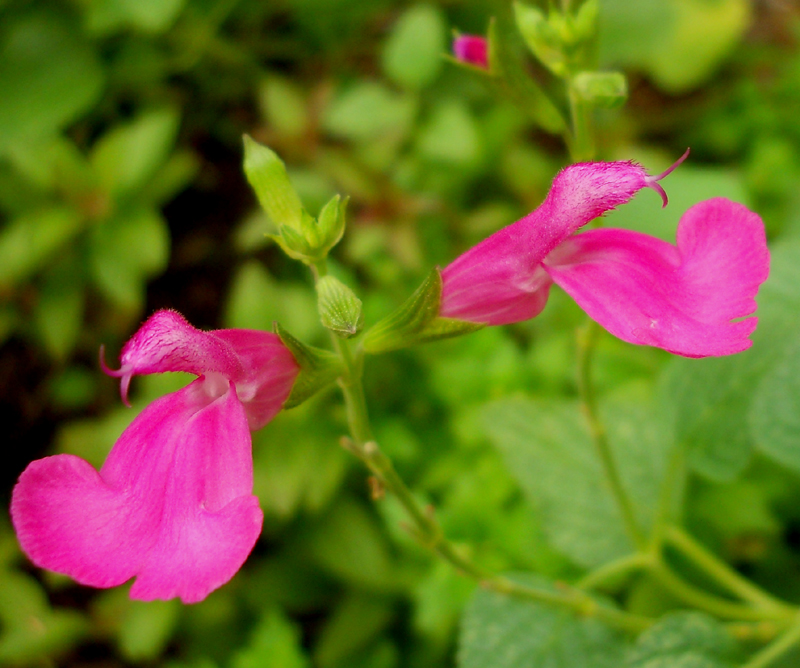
(641, 289)
(173, 504)
(472, 49)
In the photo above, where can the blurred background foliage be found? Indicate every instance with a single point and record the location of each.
(121, 191)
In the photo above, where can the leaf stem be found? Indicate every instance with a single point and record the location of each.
(587, 338)
(776, 649)
(614, 570)
(722, 573)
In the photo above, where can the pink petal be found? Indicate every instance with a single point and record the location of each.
(269, 372)
(167, 342)
(682, 299)
(172, 505)
(472, 49)
(499, 281)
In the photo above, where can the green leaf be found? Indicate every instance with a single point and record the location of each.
(125, 252)
(369, 110)
(147, 628)
(348, 543)
(416, 321)
(774, 416)
(59, 310)
(318, 368)
(451, 135)
(284, 106)
(703, 35)
(31, 631)
(274, 643)
(153, 16)
(683, 640)
(412, 56)
(548, 449)
(339, 308)
(27, 243)
(256, 300)
(355, 622)
(267, 175)
(500, 631)
(127, 156)
(49, 76)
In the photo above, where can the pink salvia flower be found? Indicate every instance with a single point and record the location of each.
(641, 289)
(173, 504)
(472, 49)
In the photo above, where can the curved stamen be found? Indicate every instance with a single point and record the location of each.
(123, 373)
(652, 181)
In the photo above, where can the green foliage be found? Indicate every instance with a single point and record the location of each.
(504, 632)
(120, 192)
(550, 452)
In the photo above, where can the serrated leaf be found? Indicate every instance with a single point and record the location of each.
(127, 156)
(548, 449)
(683, 640)
(500, 631)
(416, 321)
(412, 56)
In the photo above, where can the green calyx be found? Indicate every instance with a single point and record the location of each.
(318, 368)
(416, 321)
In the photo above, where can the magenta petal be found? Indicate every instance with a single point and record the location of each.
(167, 342)
(682, 299)
(500, 281)
(172, 505)
(270, 372)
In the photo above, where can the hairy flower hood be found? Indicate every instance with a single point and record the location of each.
(172, 504)
(688, 299)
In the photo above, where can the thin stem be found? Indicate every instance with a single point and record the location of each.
(581, 142)
(674, 479)
(614, 570)
(697, 598)
(429, 533)
(587, 338)
(721, 573)
(777, 649)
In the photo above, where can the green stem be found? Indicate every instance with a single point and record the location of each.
(721, 573)
(587, 338)
(580, 142)
(429, 533)
(776, 649)
(614, 570)
(427, 529)
(697, 598)
(674, 479)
